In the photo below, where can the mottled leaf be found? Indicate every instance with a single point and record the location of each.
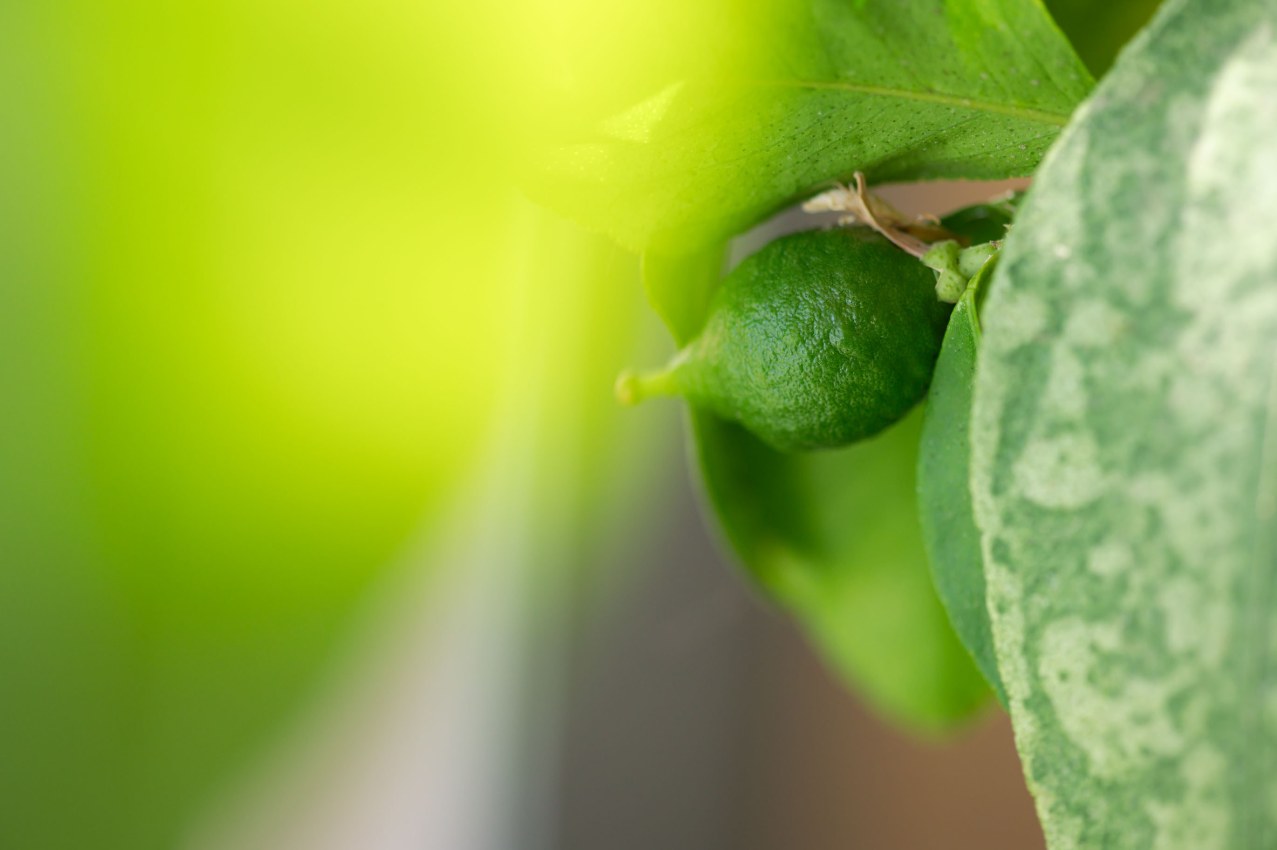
(816, 90)
(1123, 467)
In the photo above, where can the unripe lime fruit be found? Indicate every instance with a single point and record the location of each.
(819, 339)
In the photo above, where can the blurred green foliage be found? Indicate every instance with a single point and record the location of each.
(1098, 29)
(806, 93)
(261, 270)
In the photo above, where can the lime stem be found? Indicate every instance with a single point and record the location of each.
(631, 387)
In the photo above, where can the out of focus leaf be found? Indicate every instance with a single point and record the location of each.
(1098, 29)
(815, 91)
(680, 287)
(245, 325)
(1123, 468)
(834, 538)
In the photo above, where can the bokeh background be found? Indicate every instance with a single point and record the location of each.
(319, 527)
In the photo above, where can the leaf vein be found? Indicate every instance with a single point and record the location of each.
(1012, 110)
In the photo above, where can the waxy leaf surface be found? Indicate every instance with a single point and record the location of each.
(1124, 448)
(811, 92)
(944, 498)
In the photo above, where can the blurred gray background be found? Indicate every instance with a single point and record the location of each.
(698, 719)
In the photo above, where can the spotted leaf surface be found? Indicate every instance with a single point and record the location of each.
(1124, 448)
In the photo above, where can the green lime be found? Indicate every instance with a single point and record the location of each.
(819, 339)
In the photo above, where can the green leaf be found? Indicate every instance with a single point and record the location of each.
(944, 497)
(1098, 29)
(1123, 466)
(679, 287)
(818, 90)
(833, 537)
(986, 222)
(944, 500)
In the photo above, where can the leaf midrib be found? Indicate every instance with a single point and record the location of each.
(1025, 113)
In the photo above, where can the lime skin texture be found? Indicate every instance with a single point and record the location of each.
(819, 339)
